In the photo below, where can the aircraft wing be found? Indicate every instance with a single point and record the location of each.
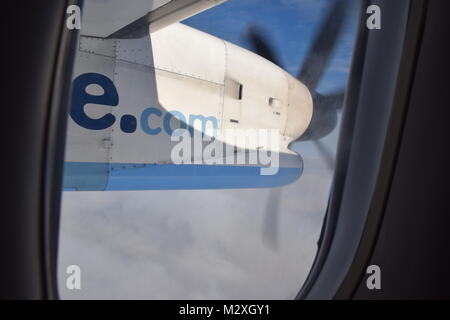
(131, 19)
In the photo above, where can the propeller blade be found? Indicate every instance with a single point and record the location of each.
(261, 46)
(334, 100)
(326, 154)
(320, 52)
(271, 219)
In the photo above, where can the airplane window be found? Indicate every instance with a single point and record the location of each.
(147, 214)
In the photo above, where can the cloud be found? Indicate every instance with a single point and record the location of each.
(191, 244)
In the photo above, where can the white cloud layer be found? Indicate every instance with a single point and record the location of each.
(191, 244)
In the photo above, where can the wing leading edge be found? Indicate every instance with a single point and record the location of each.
(120, 19)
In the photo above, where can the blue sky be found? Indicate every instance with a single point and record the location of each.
(291, 26)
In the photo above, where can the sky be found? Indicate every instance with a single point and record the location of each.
(290, 25)
(210, 244)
